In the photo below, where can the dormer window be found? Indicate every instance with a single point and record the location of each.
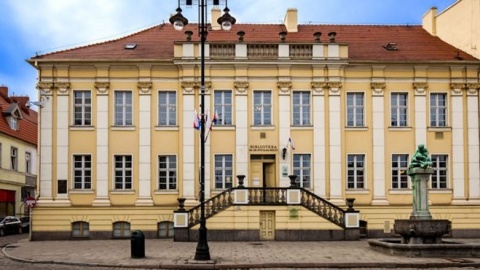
(13, 122)
(12, 115)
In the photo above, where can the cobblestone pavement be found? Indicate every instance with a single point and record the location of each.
(19, 253)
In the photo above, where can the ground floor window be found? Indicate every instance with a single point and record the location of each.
(356, 171)
(80, 229)
(121, 229)
(301, 168)
(165, 229)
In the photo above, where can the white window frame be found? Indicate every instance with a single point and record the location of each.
(356, 169)
(223, 108)
(28, 162)
(397, 109)
(301, 111)
(84, 107)
(85, 172)
(399, 173)
(436, 110)
(299, 169)
(262, 109)
(124, 170)
(352, 110)
(14, 158)
(166, 110)
(124, 108)
(170, 173)
(223, 171)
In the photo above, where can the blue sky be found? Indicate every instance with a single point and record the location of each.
(28, 27)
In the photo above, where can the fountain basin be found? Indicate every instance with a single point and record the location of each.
(422, 231)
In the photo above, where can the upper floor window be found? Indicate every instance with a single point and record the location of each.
(80, 229)
(301, 108)
(399, 171)
(28, 162)
(82, 171)
(167, 172)
(0, 155)
(398, 109)
(123, 172)
(355, 110)
(356, 171)
(123, 108)
(223, 107)
(14, 159)
(167, 108)
(440, 175)
(121, 229)
(438, 110)
(13, 122)
(262, 108)
(82, 108)
(223, 171)
(302, 169)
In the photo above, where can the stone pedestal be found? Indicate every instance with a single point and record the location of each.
(420, 177)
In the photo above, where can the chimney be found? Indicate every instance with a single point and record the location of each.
(4, 91)
(216, 13)
(291, 20)
(429, 21)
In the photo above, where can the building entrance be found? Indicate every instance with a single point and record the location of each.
(262, 171)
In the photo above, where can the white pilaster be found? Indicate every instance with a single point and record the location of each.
(189, 137)
(144, 142)
(102, 196)
(284, 105)
(378, 108)
(241, 130)
(62, 143)
(46, 145)
(458, 161)
(473, 144)
(208, 167)
(335, 154)
(420, 113)
(318, 111)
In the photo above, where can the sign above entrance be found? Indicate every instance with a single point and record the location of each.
(263, 148)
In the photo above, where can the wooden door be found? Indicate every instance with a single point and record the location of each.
(267, 225)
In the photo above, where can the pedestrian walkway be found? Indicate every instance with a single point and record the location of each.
(167, 254)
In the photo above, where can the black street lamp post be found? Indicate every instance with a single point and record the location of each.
(178, 22)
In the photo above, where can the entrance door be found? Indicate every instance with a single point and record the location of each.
(267, 225)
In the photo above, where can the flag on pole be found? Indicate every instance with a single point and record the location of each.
(215, 117)
(196, 120)
(290, 141)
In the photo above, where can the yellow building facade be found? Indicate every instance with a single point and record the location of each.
(343, 111)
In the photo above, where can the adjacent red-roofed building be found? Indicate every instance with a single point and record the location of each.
(308, 119)
(18, 153)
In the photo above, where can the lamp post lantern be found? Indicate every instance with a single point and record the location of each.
(179, 21)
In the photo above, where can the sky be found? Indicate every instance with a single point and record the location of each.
(30, 27)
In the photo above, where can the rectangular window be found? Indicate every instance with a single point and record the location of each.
(223, 171)
(399, 171)
(355, 110)
(123, 172)
(82, 171)
(13, 122)
(301, 108)
(223, 107)
(398, 109)
(262, 108)
(0, 155)
(82, 107)
(356, 171)
(167, 172)
(167, 108)
(440, 176)
(80, 229)
(14, 159)
(28, 162)
(438, 110)
(302, 169)
(123, 108)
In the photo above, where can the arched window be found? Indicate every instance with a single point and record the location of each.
(121, 229)
(80, 229)
(165, 229)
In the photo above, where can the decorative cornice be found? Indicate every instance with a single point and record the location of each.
(62, 87)
(102, 87)
(318, 87)
(45, 87)
(241, 86)
(420, 87)
(473, 86)
(144, 87)
(378, 87)
(284, 86)
(457, 88)
(189, 86)
(334, 87)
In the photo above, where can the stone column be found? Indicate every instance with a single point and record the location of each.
(378, 90)
(241, 130)
(473, 143)
(458, 145)
(284, 105)
(190, 135)
(62, 156)
(318, 118)
(335, 135)
(420, 113)
(144, 142)
(420, 177)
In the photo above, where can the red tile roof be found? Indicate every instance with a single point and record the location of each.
(27, 126)
(365, 42)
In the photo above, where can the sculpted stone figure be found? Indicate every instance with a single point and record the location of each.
(420, 158)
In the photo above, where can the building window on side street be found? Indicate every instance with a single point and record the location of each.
(356, 172)
(14, 158)
(399, 171)
(28, 162)
(80, 229)
(167, 108)
(123, 108)
(121, 229)
(223, 107)
(440, 175)
(301, 108)
(82, 171)
(167, 172)
(123, 172)
(82, 106)
(223, 171)
(165, 229)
